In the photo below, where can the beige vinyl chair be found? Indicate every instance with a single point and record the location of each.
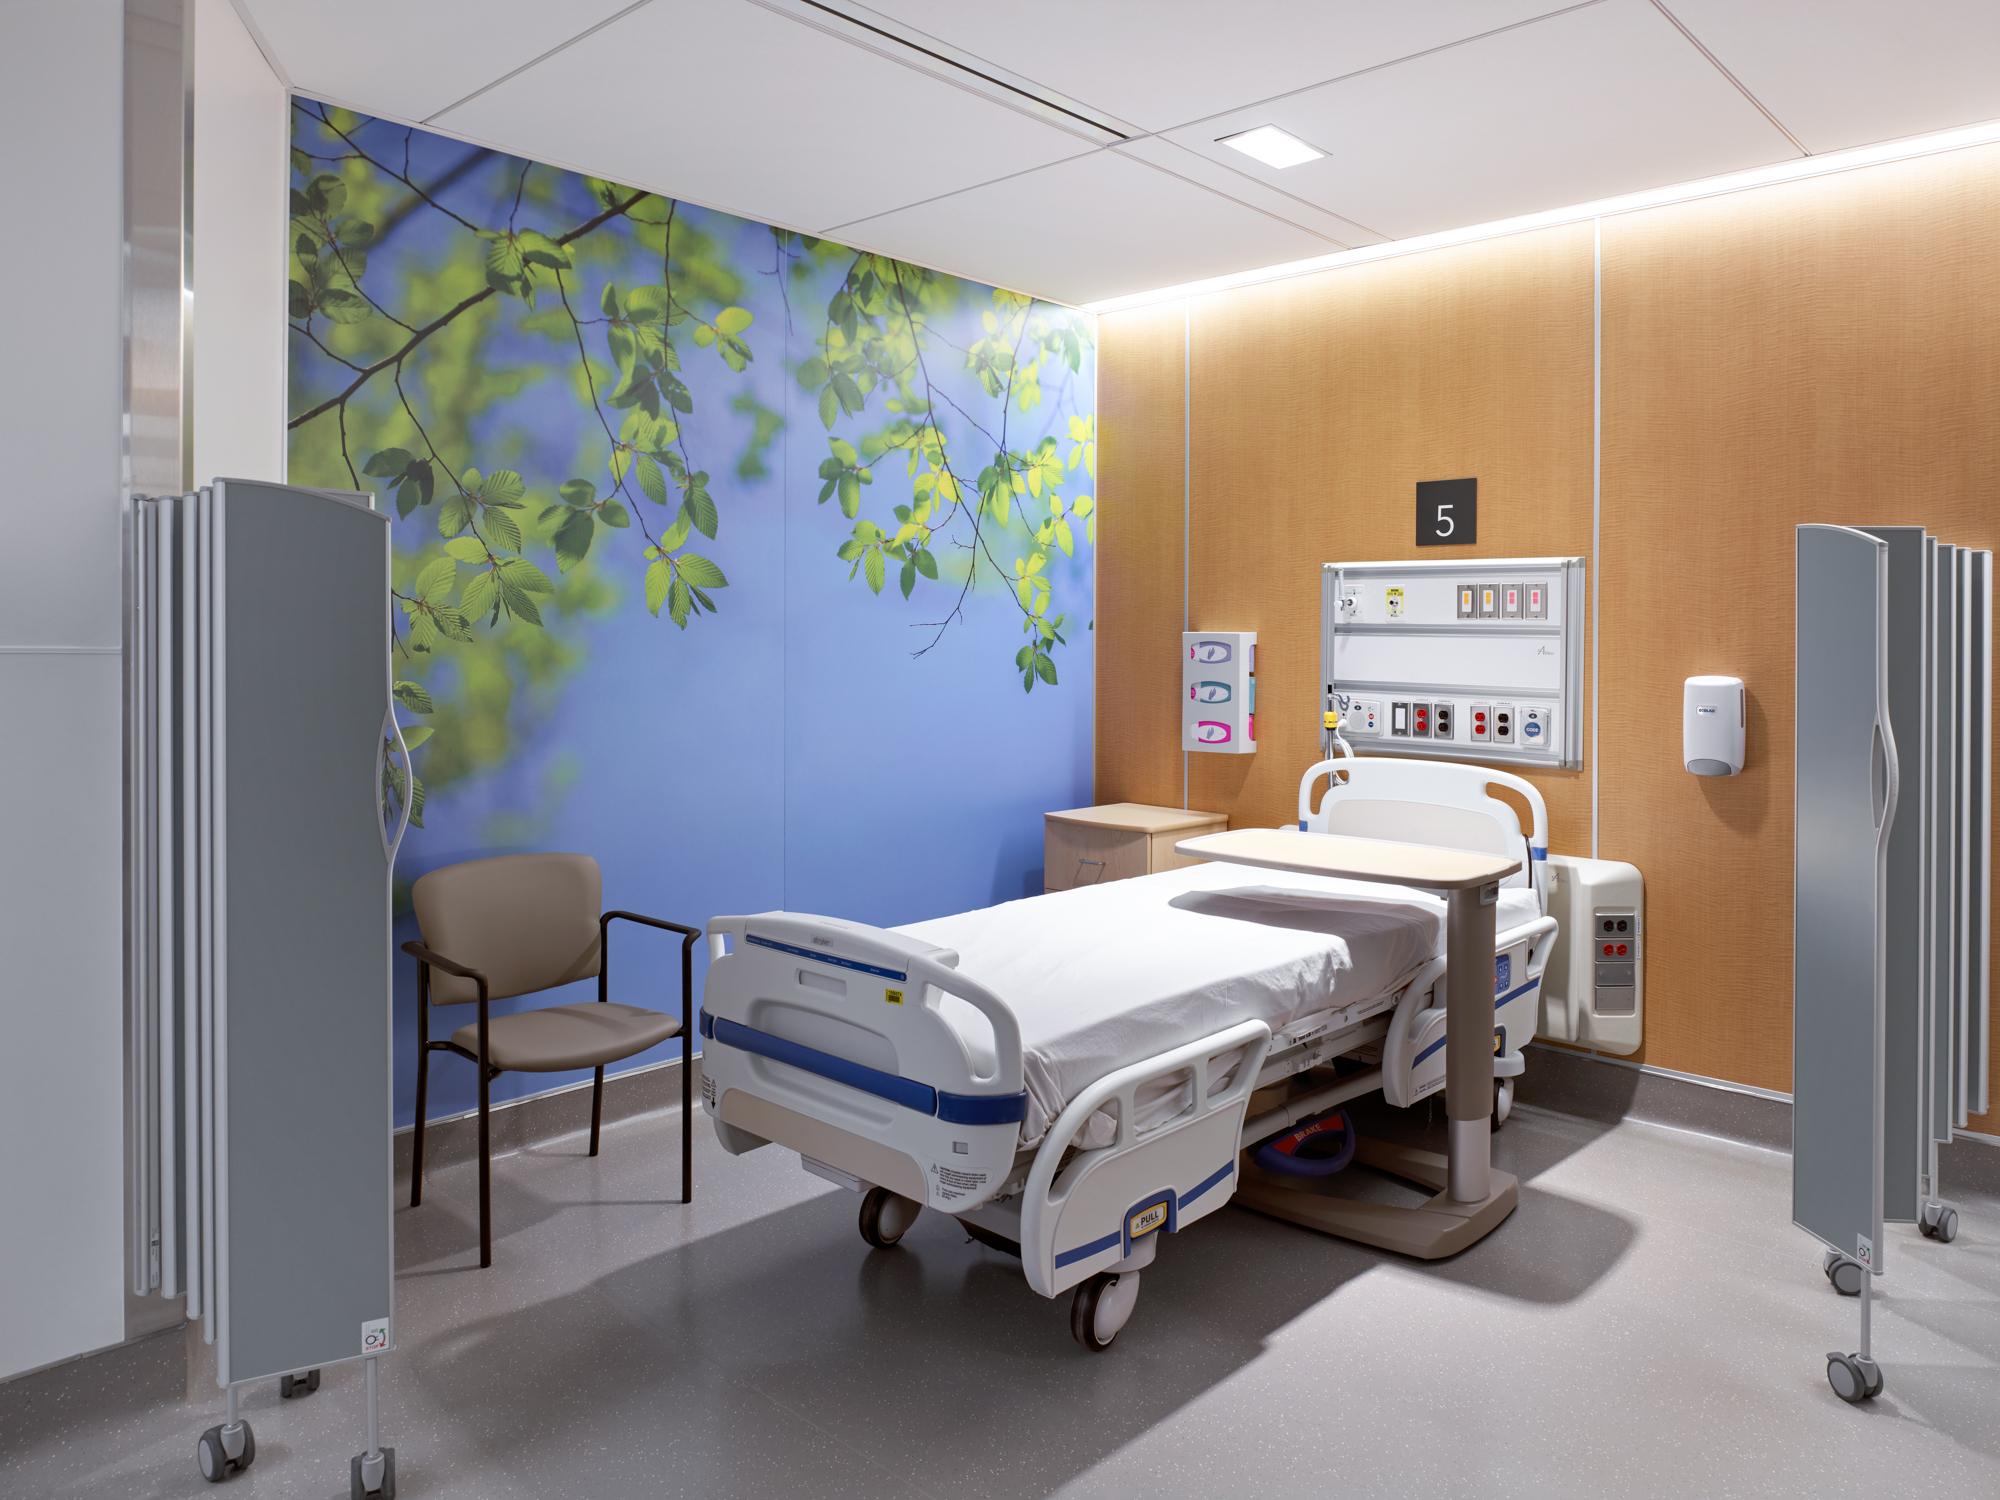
(516, 925)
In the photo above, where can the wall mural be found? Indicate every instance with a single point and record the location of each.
(755, 565)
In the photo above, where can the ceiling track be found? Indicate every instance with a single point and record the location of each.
(927, 54)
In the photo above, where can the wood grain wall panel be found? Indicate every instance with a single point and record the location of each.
(1319, 402)
(1822, 351)
(1141, 531)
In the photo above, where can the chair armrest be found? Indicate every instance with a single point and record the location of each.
(688, 933)
(432, 959)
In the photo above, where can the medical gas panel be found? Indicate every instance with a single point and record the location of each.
(1465, 660)
(1219, 691)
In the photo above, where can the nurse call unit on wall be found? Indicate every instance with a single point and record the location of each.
(1219, 691)
(1473, 660)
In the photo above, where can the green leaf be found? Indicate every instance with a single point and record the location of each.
(537, 249)
(875, 569)
(829, 407)
(389, 462)
(733, 319)
(572, 539)
(502, 487)
(698, 507)
(503, 530)
(926, 564)
(416, 735)
(1045, 668)
(652, 483)
(615, 514)
(481, 593)
(439, 576)
(908, 578)
(525, 575)
(679, 603)
(415, 697)
(850, 496)
(844, 451)
(326, 195)
(344, 306)
(577, 492)
(468, 549)
(700, 571)
(454, 515)
(659, 578)
(848, 394)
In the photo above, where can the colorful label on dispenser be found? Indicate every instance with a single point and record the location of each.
(1211, 732)
(1211, 653)
(1209, 691)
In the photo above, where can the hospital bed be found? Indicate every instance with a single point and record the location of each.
(1071, 1075)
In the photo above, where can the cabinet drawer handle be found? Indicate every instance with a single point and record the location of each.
(1081, 862)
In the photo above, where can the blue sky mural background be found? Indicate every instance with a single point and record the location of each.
(808, 740)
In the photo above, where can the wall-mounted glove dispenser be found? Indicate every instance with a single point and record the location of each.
(1219, 691)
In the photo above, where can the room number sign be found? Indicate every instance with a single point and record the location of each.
(1447, 512)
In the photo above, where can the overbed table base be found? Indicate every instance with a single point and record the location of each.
(1427, 1231)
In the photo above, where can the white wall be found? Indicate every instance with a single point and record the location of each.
(242, 139)
(62, 1138)
(61, 957)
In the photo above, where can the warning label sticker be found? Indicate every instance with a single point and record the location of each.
(952, 1183)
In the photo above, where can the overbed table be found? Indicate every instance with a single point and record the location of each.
(1471, 1197)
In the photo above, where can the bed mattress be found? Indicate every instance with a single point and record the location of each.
(1107, 975)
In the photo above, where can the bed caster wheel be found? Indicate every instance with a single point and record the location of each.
(1503, 1101)
(223, 1451)
(1940, 1223)
(1845, 1274)
(372, 1478)
(292, 1386)
(886, 1217)
(1854, 1377)
(1102, 1306)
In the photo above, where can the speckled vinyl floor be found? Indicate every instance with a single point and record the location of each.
(1647, 1324)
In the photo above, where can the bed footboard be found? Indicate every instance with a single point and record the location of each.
(825, 1036)
(1083, 1212)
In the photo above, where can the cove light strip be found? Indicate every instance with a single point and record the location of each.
(1681, 192)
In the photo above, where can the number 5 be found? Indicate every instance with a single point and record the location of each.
(1445, 524)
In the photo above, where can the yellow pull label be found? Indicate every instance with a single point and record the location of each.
(1146, 1220)
(894, 997)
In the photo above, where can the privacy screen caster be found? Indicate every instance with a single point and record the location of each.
(1503, 1101)
(886, 1217)
(1854, 1377)
(381, 1470)
(1845, 1274)
(291, 1386)
(1939, 1222)
(1102, 1306)
(225, 1450)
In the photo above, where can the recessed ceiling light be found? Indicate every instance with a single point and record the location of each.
(1272, 146)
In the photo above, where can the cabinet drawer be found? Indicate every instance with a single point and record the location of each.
(1074, 855)
(1166, 857)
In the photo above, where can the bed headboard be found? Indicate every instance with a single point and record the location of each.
(1440, 803)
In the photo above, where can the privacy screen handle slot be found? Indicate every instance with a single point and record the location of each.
(391, 730)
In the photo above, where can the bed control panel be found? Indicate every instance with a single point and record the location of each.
(1593, 992)
(1461, 660)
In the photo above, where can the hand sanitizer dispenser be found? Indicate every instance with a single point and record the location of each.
(1713, 718)
(1219, 691)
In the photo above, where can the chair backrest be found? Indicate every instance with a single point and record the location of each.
(526, 921)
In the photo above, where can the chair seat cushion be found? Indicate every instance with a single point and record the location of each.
(560, 1037)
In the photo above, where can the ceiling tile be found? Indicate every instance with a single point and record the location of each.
(409, 61)
(777, 121)
(1254, 191)
(1158, 63)
(1127, 227)
(1605, 100)
(1849, 72)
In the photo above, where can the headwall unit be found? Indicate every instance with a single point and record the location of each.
(1464, 660)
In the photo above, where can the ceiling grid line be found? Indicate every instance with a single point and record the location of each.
(1735, 82)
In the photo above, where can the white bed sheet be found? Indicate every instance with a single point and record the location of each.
(1107, 975)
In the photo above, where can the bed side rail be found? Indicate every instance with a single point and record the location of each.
(1081, 1212)
(820, 1032)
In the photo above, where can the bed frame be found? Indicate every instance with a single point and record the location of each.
(825, 1036)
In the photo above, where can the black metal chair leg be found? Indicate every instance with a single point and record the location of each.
(485, 1168)
(423, 1082)
(596, 1107)
(417, 1135)
(687, 1115)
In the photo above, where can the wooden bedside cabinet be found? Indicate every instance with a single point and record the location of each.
(1090, 845)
